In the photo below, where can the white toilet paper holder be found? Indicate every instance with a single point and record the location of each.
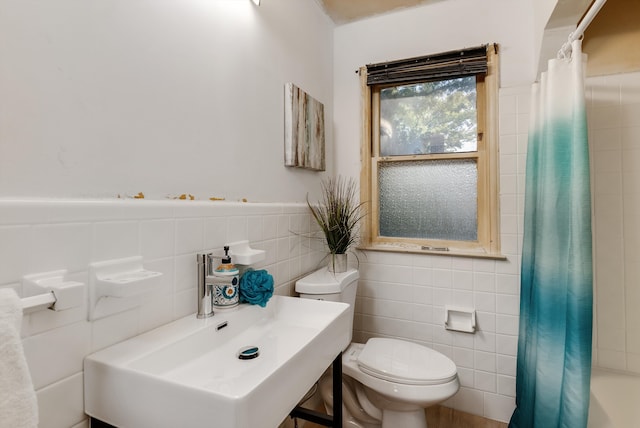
(460, 319)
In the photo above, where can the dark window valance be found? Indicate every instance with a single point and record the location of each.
(446, 65)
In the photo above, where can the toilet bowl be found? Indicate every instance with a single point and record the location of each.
(386, 382)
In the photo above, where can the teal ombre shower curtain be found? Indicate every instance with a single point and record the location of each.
(554, 344)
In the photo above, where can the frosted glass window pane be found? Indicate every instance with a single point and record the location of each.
(429, 117)
(432, 199)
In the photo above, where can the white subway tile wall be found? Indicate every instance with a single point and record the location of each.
(42, 236)
(613, 108)
(399, 295)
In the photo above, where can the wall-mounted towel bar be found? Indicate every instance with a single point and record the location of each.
(50, 290)
(38, 303)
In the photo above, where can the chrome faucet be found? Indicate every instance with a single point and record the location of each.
(205, 289)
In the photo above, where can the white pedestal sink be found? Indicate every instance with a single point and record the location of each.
(188, 374)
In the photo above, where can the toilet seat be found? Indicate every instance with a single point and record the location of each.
(394, 394)
(405, 362)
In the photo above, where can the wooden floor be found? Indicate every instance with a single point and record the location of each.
(444, 417)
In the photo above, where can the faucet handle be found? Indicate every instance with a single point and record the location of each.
(206, 259)
(205, 302)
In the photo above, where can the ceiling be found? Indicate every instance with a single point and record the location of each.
(566, 12)
(343, 11)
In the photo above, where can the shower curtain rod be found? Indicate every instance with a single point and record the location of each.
(595, 7)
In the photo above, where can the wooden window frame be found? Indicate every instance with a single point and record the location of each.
(488, 242)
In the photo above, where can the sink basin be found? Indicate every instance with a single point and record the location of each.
(188, 374)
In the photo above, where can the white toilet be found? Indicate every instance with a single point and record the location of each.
(386, 382)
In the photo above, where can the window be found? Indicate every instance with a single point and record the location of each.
(429, 171)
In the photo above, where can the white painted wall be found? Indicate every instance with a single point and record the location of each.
(164, 97)
(404, 295)
(157, 96)
(542, 10)
(437, 27)
(552, 41)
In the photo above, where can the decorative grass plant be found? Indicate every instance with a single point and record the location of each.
(338, 213)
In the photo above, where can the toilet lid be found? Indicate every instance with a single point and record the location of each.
(405, 362)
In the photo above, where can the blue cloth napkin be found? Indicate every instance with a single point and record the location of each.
(256, 287)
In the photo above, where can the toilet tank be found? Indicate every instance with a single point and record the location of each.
(326, 285)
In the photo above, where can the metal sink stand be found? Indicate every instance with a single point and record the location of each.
(322, 418)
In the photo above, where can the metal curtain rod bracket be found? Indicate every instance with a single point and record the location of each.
(565, 50)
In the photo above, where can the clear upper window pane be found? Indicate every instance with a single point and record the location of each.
(429, 117)
(434, 199)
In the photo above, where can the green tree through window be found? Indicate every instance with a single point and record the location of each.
(429, 117)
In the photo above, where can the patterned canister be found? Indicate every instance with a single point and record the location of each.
(225, 283)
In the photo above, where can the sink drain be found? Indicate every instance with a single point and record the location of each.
(248, 353)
